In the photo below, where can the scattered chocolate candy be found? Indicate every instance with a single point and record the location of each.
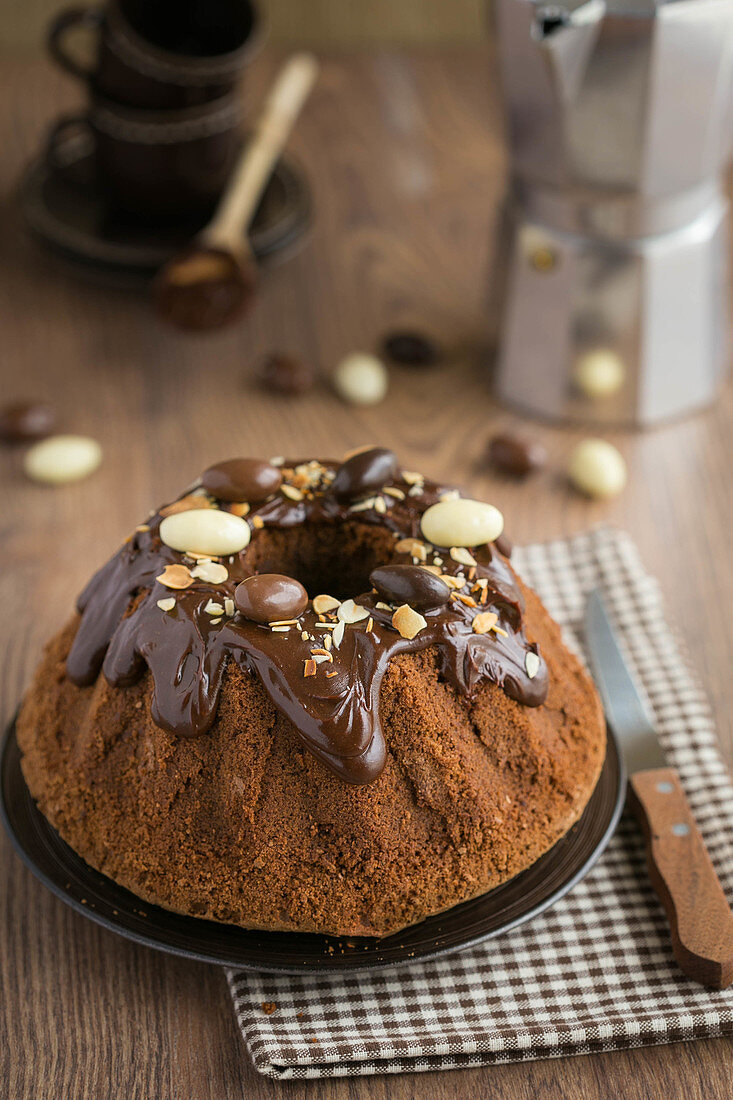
(599, 373)
(514, 455)
(597, 469)
(411, 585)
(410, 349)
(363, 473)
(504, 545)
(62, 458)
(24, 421)
(361, 379)
(461, 522)
(284, 374)
(240, 479)
(270, 598)
(205, 531)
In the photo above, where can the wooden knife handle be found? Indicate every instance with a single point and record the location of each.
(684, 878)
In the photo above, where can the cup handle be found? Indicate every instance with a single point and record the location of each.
(56, 37)
(60, 127)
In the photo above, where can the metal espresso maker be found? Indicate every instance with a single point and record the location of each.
(615, 267)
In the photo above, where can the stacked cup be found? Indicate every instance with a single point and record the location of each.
(164, 110)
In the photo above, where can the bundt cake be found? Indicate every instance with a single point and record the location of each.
(312, 696)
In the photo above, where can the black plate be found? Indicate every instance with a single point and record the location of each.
(69, 212)
(492, 914)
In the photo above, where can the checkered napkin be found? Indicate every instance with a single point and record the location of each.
(595, 972)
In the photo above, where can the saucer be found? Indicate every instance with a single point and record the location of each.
(100, 899)
(68, 211)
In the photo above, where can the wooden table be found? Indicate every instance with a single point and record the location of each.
(405, 161)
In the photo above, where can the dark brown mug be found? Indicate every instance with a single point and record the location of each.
(162, 165)
(161, 53)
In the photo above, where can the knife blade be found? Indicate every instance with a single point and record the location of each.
(680, 868)
(626, 712)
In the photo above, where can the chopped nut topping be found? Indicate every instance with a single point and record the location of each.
(413, 547)
(258, 522)
(393, 491)
(279, 629)
(484, 622)
(412, 478)
(333, 672)
(338, 634)
(229, 607)
(369, 625)
(320, 655)
(142, 527)
(310, 667)
(277, 461)
(186, 504)
(210, 572)
(239, 509)
(167, 604)
(468, 600)
(380, 506)
(304, 635)
(532, 664)
(364, 505)
(434, 569)
(283, 622)
(324, 603)
(175, 576)
(291, 491)
(327, 641)
(215, 621)
(462, 555)
(213, 608)
(350, 612)
(383, 606)
(408, 622)
(451, 581)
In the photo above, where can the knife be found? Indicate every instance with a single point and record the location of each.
(680, 868)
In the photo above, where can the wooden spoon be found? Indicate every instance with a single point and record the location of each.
(215, 279)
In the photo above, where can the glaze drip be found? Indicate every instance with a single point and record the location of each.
(335, 710)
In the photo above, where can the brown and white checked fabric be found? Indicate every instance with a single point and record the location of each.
(593, 973)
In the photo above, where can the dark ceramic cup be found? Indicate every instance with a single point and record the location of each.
(161, 54)
(161, 165)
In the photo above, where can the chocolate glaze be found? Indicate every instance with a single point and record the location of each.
(122, 630)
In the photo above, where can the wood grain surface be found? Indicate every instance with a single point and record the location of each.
(404, 156)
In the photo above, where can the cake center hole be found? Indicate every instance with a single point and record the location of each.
(326, 558)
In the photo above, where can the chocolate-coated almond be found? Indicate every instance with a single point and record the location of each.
(365, 472)
(515, 456)
(504, 545)
(411, 349)
(270, 597)
(240, 479)
(410, 584)
(26, 421)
